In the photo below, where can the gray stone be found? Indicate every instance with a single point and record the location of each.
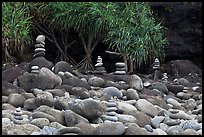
(190, 104)
(6, 106)
(189, 132)
(126, 119)
(183, 82)
(110, 109)
(175, 130)
(4, 99)
(43, 115)
(72, 119)
(148, 128)
(58, 115)
(113, 91)
(146, 107)
(111, 113)
(136, 82)
(6, 121)
(40, 39)
(62, 66)
(120, 64)
(174, 102)
(156, 121)
(11, 74)
(159, 131)
(180, 115)
(44, 98)
(80, 92)
(30, 104)
(16, 100)
(86, 129)
(8, 88)
(132, 94)
(61, 103)
(120, 72)
(110, 128)
(40, 122)
(96, 81)
(160, 86)
(125, 107)
(88, 108)
(56, 92)
(75, 82)
(110, 118)
(164, 127)
(171, 122)
(191, 124)
(134, 129)
(111, 104)
(70, 131)
(40, 61)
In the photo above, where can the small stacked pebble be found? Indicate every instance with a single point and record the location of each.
(165, 77)
(185, 89)
(156, 66)
(35, 69)
(111, 112)
(18, 118)
(120, 68)
(39, 47)
(99, 66)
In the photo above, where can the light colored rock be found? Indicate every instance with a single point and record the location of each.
(126, 119)
(136, 82)
(113, 91)
(146, 107)
(96, 81)
(6, 121)
(159, 131)
(40, 122)
(174, 102)
(16, 100)
(156, 121)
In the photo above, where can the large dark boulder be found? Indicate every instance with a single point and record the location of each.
(11, 74)
(40, 62)
(76, 82)
(62, 66)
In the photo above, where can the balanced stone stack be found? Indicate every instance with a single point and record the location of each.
(120, 68)
(99, 66)
(39, 47)
(35, 69)
(165, 77)
(185, 89)
(18, 118)
(156, 66)
(110, 112)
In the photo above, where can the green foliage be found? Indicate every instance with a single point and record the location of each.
(16, 23)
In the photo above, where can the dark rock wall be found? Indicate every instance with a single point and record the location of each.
(183, 21)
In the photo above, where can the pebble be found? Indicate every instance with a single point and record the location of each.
(148, 128)
(156, 121)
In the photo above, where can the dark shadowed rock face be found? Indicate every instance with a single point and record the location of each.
(183, 21)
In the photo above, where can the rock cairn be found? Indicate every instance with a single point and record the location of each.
(99, 66)
(156, 66)
(39, 46)
(185, 89)
(165, 77)
(120, 68)
(111, 112)
(18, 118)
(35, 69)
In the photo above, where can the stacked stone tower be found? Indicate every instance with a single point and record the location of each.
(99, 66)
(156, 66)
(18, 117)
(39, 46)
(165, 77)
(110, 112)
(120, 68)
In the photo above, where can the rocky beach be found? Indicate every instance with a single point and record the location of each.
(42, 98)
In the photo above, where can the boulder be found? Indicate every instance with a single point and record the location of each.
(62, 66)
(136, 82)
(11, 74)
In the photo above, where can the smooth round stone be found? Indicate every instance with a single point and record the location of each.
(109, 109)
(189, 132)
(175, 130)
(120, 64)
(183, 81)
(39, 54)
(148, 128)
(146, 84)
(110, 128)
(6, 121)
(40, 39)
(111, 104)
(96, 81)
(120, 72)
(163, 126)
(174, 102)
(113, 91)
(40, 122)
(35, 71)
(111, 118)
(39, 49)
(126, 119)
(156, 121)
(39, 46)
(183, 95)
(120, 69)
(112, 113)
(146, 107)
(180, 115)
(37, 91)
(16, 100)
(35, 68)
(99, 64)
(159, 131)
(43, 115)
(171, 122)
(18, 117)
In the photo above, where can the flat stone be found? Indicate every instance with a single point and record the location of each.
(40, 122)
(120, 64)
(120, 72)
(156, 121)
